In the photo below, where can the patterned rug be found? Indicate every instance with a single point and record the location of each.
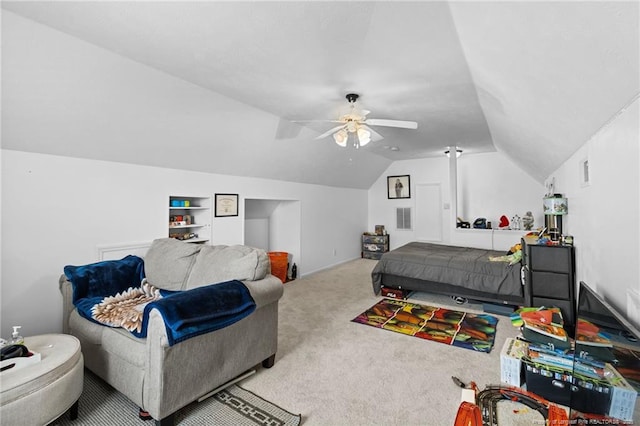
(101, 405)
(456, 328)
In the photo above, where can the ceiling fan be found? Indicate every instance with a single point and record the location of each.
(356, 123)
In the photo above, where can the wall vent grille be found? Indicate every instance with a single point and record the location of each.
(403, 218)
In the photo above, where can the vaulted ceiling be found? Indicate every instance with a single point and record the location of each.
(534, 80)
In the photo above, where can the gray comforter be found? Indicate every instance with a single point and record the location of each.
(460, 266)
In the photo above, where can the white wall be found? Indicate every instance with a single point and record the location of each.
(603, 216)
(489, 185)
(256, 233)
(285, 232)
(274, 225)
(58, 210)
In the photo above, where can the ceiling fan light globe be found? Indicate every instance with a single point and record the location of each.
(364, 136)
(341, 137)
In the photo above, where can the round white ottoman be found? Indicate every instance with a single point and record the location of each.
(39, 393)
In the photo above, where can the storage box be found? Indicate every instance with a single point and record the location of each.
(395, 293)
(613, 396)
(374, 239)
(511, 372)
(376, 255)
(375, 247)
(562, 387)
(623, 395)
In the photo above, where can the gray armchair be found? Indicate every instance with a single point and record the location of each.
(161, 378)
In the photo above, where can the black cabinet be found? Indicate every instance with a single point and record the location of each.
(549, 273)
(374, 245)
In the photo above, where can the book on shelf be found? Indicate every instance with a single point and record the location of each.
(551, 330)
(588, 369)
(541, 354)
(542, 339)
(516, 317)
(544, 326)
(545, 355)
(540, 314)
(542, 350)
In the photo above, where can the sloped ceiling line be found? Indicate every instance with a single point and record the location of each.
(533, 80)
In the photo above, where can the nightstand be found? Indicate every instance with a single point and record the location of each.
(373, 246)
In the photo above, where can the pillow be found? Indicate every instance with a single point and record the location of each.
(216, 264)
(105, 278)
(168, 262)
(126, 309)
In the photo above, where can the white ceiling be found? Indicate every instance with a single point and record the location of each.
(533, 80)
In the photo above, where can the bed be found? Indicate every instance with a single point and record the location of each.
(451, 270)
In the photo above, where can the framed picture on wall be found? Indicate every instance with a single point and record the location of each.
(226, 205)
(398, 187)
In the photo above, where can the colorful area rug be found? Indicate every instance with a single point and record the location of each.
(456, 328)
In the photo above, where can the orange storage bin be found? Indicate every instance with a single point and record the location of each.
(279, 264)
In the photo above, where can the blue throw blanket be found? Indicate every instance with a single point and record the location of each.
(201, 310)
(106, 278)
(93, 282)
(186, 314)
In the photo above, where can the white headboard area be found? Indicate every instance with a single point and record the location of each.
(118, 251)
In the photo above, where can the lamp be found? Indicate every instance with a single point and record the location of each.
(554, 207)
(458, 152)
(362, 135)
(341, 137)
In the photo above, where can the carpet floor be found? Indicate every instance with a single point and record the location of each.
(337, 372)
(101, 405)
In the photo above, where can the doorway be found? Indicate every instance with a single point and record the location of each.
(428, 219)
(273, 225)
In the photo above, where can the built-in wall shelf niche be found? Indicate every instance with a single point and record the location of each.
(190, 218)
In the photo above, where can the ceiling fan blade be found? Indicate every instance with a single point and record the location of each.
(375, 136)
(287, 129)
(329, 132)
(315, 121)
(392, 123)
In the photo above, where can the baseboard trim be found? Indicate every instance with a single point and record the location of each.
(324, 268)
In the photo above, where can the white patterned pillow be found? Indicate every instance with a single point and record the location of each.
(125, 309)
